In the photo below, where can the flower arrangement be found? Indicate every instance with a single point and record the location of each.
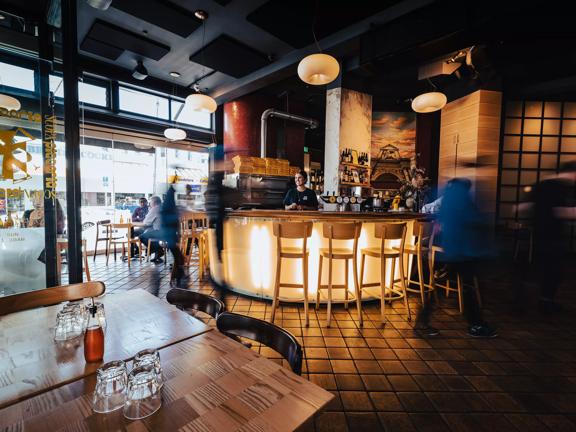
(414, 189)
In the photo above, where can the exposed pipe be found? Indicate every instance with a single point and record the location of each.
(271, 112)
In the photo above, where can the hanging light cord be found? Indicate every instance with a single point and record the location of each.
(314, 25)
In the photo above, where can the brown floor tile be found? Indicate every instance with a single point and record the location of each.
(316, 353)
(335, 342)
(331, 422)
(368, 366)
(376, 342)
(392, 367)
(319, 366)
(415, 402)
(361, 353)
(384, 354)
(386, 401)
(403, 383)
(428, 422)
(376, 383)
(396, 422)
(526, 422)
(417, 367)
(430, 383)
(356, 343)
(356, 401)
(363, 421)
(483, 383)
(343, 366)
(338, 353)
(326, 381)
(456, 383)
(349, 382)
(441, 367)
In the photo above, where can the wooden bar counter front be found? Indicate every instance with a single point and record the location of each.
(249, 255)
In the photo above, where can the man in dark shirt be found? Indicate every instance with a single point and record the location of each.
(140, 212)
(300, 197)
(553, 205)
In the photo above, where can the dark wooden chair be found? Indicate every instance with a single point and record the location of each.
(185, 299)
(235, 326)
(102, 235)
(50, 296)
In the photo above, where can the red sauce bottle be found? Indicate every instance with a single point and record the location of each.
(93, 338)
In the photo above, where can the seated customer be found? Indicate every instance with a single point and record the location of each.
(300, 197)
(151, 228)
(140, 212)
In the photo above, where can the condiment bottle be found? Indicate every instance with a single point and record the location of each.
(93, 338)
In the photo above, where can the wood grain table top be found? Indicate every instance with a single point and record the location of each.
(212, 383)
(31, 361)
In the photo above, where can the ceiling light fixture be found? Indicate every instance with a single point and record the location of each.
(140, 72)
(199, 101)
(175, 74)
(9, 102)
(99, 4)
(2, 17)
(319, 68)
(429, 102)
(142, 146)
(175, 134)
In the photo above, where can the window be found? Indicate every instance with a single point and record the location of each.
(16, 76)
(190, 117)
(87, 93)
(138, 102)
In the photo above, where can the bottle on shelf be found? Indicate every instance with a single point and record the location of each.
(121, 219)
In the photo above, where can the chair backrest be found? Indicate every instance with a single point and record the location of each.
(342, 231)
(102, 230)
(280, 340)
(390, 230)
(422, 230)
(185, 299)
(292, 230)
(50, 296)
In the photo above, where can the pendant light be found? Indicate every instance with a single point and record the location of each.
(9, 102)
(175, 133)
(430, 101)
(199, 101)
(319, 68)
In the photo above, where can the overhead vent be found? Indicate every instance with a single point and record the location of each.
(103, 37)
(230, 56)
(162, 14)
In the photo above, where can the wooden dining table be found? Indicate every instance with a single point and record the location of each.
(212, 383)
(31, 362)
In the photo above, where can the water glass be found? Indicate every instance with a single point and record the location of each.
(150, 357)
(110, 392)
(143, 396)
(69, 324)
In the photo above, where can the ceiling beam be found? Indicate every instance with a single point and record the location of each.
(285, 67)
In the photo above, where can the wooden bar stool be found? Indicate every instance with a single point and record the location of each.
(384, 232)
(291, 230)
(340, 231)
(423, 233)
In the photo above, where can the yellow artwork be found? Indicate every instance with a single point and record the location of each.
(14, 156)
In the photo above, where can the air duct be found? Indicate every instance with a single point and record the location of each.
(271, 112)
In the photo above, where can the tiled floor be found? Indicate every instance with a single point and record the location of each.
(390, 379)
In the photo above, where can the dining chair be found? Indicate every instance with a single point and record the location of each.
(185, 299)
(50, 296)
(102, 235)
(126, 241)
(235, 326)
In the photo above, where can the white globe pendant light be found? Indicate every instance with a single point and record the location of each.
(201, 102)
(318, 69)
(175, 134)
(429, 102)
(9, 102)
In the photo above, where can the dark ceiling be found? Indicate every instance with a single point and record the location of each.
(525, 49)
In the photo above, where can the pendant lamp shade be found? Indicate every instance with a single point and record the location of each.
(10, 103)
(429, 102)
(318, 69)
(175, 134)
(201, 102)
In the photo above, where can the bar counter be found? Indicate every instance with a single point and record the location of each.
(249, 254)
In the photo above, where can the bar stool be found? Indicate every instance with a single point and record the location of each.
(384, 232)
(339, 231)
(291, 230)
(423, 233)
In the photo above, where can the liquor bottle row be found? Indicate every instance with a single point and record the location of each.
(352, 175)
(317, 180)
(348, 156)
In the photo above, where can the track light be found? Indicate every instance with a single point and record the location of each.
(140, 72)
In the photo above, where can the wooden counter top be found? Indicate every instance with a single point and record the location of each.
(324, 215)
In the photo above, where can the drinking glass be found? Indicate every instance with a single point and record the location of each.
(152, 357)
(143, 397)
(69, 324)
(110, 392)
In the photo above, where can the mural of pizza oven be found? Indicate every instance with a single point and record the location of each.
(389, 168)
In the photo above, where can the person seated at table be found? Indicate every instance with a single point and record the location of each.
(300, 197)
(151, 228)
(140, 212)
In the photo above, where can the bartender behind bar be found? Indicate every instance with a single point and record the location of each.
(300, 197)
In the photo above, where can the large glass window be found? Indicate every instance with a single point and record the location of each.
(147, 104)
(87, 93)
(188, 116)
(16, 76)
